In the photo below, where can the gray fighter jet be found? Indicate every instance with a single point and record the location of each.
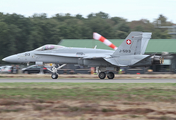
(129, 53)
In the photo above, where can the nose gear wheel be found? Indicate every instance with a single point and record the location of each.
(54, 76)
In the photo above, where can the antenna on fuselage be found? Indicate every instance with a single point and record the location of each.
(95, 47)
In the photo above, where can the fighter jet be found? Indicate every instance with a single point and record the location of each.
(130, 53)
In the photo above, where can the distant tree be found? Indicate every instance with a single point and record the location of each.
(78, 16)
(159, 34)
(141, 25)
(121, 34)
(41, 16)
(139, 28)
(101, 26)
(62, 17)
(122, 27)
(102, 15)
(162, 21)
(90, 15)
(117, 20)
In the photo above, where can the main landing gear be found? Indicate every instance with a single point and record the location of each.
(54, 74)
(102, 75)
(110, 75)
(103, 72)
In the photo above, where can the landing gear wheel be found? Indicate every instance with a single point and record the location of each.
(110, 75)
(102, 75)
(54, 76)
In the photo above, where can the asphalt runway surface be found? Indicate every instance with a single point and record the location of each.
(15, 80)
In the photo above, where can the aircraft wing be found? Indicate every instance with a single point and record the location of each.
(113, 61)
(96, 56)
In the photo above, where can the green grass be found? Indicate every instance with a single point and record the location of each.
(90, 91)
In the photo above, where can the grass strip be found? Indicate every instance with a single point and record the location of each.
(90, 91)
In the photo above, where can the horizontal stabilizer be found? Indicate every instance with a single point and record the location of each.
(143, 61)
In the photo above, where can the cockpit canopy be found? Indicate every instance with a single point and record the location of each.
(49, 47)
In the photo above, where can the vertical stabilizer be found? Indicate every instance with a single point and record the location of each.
(134, 44)
(145, 39)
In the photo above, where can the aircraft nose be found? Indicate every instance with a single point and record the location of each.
(4, 59)
(11, 58)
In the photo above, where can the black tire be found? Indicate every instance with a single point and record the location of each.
(110, 75)
(102, 75)
(54, 76)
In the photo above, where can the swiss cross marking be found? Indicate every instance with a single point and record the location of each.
(128, 41)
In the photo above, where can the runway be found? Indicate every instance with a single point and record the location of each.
(15, 80)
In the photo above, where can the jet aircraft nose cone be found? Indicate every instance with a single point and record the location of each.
(11, 58)
(4, 59)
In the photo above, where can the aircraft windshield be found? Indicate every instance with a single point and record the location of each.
(49, 47)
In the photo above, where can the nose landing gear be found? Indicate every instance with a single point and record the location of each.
(54, 74)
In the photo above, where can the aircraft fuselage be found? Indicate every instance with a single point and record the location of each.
(60, 56)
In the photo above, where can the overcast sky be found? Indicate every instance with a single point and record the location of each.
(128, 9)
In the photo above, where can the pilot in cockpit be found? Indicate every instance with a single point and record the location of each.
(49, 47)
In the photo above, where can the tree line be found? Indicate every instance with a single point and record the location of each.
(19, 33)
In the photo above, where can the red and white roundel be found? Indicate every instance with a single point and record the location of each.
(128, 41)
